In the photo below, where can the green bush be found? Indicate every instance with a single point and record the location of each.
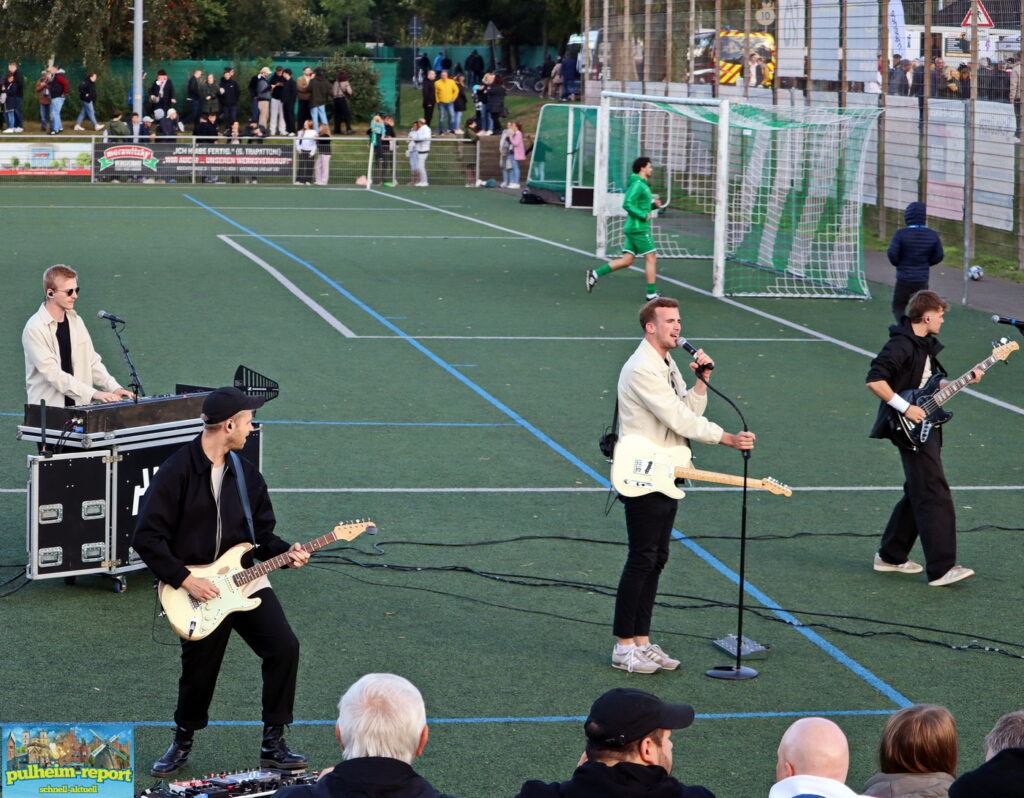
(366, 99)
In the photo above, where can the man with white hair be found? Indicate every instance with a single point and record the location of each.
(1002, 775)
(382, 728)
(813, 761)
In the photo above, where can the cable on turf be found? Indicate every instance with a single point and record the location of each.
(698, 602)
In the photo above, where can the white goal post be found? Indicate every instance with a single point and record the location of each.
(770, 195)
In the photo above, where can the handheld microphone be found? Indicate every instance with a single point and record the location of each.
(693, 351)
(1005, 320)
(110, 317)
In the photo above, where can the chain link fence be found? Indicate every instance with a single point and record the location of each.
(947, 77)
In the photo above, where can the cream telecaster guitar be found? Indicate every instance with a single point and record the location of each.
(194, 619)
(640, 467)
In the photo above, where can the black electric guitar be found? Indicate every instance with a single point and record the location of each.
(933, 396)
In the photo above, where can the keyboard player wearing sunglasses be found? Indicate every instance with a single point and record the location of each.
(61, 365)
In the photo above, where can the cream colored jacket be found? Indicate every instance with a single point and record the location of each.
(43, 376)
(649, 406)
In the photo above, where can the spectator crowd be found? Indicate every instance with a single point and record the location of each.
(628, 751)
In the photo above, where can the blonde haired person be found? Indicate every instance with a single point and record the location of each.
(323, 156)
(61, 366)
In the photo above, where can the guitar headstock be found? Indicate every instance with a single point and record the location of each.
(776, 487)
(353, 529)
(1002, 350)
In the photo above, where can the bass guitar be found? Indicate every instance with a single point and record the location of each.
(933, 395)
(194, 620)
(640, 467)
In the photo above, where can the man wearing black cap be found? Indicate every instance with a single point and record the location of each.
(629, 751)
(192, 513)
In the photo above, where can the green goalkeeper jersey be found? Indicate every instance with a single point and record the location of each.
(638, 203)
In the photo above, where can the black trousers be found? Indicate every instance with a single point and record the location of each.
(428, 114)
(926, 511)
(341, 114)
(649, 521)
(267, 633)
(901, 295)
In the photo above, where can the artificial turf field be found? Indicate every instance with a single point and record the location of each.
(452, 386)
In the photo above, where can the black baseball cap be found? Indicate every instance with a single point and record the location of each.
(625, 714)
(223, 403)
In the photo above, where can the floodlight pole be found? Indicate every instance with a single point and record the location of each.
(137, 23)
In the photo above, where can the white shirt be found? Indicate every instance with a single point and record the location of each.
(654, 402)
(44, 378)
(420, 138)
(811, 785)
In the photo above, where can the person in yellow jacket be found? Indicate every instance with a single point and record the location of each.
(446, 91)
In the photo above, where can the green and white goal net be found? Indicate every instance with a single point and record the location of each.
(770, 195)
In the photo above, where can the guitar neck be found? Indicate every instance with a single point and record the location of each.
(265, 567)
(952, 388)
(713, 476)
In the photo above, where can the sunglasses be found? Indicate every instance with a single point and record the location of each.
(68, 291)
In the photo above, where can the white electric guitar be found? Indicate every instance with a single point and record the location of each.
(640, 467)
(194, 620)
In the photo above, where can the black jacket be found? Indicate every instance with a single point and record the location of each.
(193, 92)
(177, 523)
(19, 85)
(165, 100)
(915, 248)
(624, 780)
(429, 98)
(1001, 777)
(495, 99)
(87, 91)
(232, 91)
(901, 364)
(289, 91)
(366, 777)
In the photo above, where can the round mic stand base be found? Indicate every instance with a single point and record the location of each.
(731, 672)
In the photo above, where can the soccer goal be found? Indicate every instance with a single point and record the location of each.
(562, 162)
(770, 195)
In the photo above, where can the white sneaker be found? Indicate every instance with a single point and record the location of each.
(481, 183)
(634, 660)
(955, 574)
(512, 185)
(10, 130)
(19, 130)
(655, 653)
(423, 184)
(908, 567)
(79, 127)
(99, 128)
(457, 132)
(502, 184)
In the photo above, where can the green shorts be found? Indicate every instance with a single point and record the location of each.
(638, 244)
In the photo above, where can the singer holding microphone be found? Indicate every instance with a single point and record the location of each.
(655, 403)
(61, 366)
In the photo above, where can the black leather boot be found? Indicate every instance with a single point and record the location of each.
(176, 756)
(274, 753)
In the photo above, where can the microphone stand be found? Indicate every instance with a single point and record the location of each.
(737, 671)
(136, 383)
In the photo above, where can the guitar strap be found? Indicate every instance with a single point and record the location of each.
(243, 494)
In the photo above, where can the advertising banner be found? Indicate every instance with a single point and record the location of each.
(182, 160)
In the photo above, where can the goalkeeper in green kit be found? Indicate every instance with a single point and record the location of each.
(639, 205)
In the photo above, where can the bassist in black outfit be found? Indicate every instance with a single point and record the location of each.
(926, 509)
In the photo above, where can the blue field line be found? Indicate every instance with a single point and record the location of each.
(847, 661)
(831, 713)
(890, 692)
(412, 341)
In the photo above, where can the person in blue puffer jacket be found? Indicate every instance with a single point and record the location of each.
(913, 251)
